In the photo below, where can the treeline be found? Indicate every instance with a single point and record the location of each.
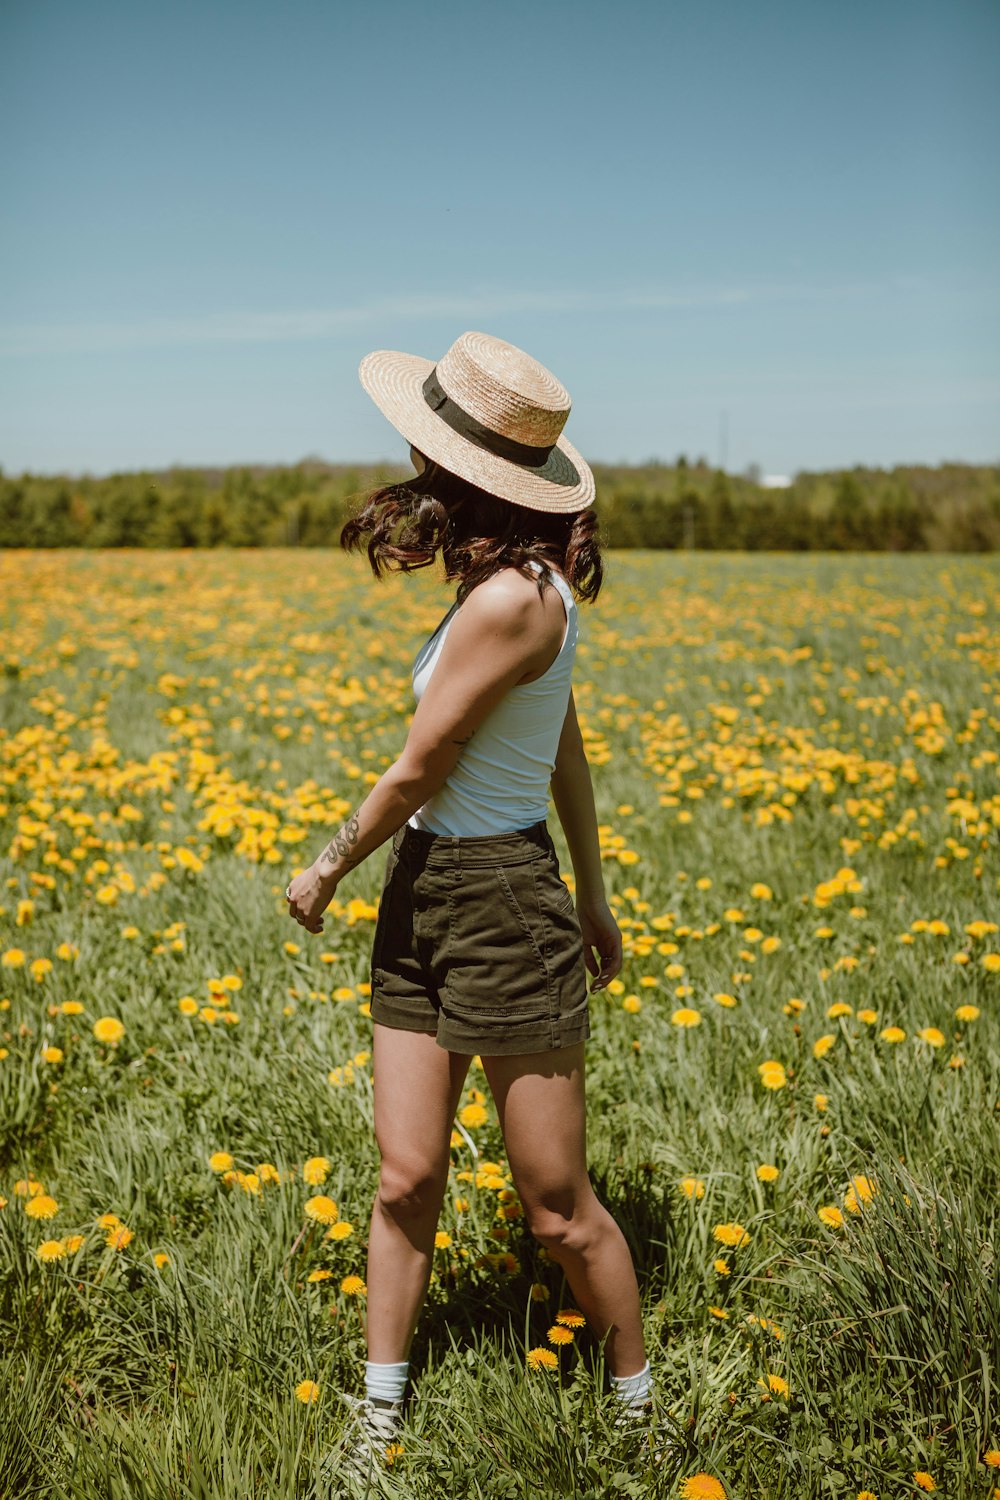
(950, 508)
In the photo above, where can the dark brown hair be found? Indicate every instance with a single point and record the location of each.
(404, 526)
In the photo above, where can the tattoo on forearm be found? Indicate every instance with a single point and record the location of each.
(343, 841)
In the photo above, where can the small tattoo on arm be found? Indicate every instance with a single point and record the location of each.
(343, 841)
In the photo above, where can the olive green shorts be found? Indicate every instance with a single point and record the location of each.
(477, 941)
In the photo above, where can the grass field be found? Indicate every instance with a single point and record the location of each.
(794, 1089)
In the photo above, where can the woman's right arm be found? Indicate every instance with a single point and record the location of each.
(573, 795)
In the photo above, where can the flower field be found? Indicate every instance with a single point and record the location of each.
(794, 1085)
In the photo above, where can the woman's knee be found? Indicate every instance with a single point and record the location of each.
(568, 1220)
(411, 1189)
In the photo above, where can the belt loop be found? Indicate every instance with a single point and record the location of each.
(456, 852)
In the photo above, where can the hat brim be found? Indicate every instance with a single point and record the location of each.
(564, 483)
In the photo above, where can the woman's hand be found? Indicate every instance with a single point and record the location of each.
(599, 931)
(308, 897)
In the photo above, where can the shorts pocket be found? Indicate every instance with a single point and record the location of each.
(505, 877)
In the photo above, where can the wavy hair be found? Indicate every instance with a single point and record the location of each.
(404, 526)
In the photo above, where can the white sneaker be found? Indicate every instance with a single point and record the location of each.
(365, 1449)
(657, 1437)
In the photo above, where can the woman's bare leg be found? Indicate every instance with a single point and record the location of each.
(540, 1098)
(417, 1089)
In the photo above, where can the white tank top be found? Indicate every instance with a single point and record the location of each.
(501, 779)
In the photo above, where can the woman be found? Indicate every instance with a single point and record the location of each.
(477, 948)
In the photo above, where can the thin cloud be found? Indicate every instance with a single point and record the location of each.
(313, 324)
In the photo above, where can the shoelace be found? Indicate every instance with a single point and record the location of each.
(378, 1425)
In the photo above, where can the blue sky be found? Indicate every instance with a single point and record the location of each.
(760, 232)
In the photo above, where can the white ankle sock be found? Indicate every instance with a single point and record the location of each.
(633, 1390)
(386, 1382)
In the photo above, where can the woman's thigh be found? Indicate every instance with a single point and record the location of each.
(541, 1104)
(417, 1086)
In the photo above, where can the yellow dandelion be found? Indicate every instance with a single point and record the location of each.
(322, 1209)
(692, 1187)
(307, 1390)
(51, 1250)
(353, 1286)
(559, 1335)
(923, 1480)
(72, 1008)
(767, 1173)
(838, 1009)
(321, 1274)
(13, 958)
(772, 1074)
(718, 1312)
(821, 1101)
(541, 1359)
(686, 1017)
(831, 1215)
(991, 963)
(967, 1013)
(702, 1486)
(539, 1292)
(316, 1170)
(823, 1044)
(220, 1161)
(991, 1458)
(187, 1005)
(731, 1234)
(52, 1054)
(722, 1267)
(473, 1115)
(632, 1004)
(161, 1259)
(109, 1030)
(41, 1206)
(862, 1190)
(893, 1034)
(340, 1231)
(570, 1317)
(932, 1036)
(774, 1385)
(726, 1001)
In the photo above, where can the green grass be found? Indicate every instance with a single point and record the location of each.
(750, 719)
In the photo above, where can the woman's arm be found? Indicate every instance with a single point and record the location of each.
(573, 795)
(494, 639)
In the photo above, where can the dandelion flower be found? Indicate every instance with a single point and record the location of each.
(542, 1359)
(893, 1034)
(823, 1044)
(731, 1234)
(932, 1036)
(692, 1187)
(321, 1274)
(767, 1173)
(772, 1074)
(220, 1161)
(992, 1458)
(775, 1385)
(322, 1209)
(52, 1054)
(559, 1335)
(967, 1013)
(340, 1231)
(307, 1390)
(702, 1487)
(51, 1250)
(686, 1017)
(353, 1286)
(41, 1206)
(721, 1267)
(473, 1114)
(316, 1170)
(570, 1317)
(923, 1480)
(831, 1215)
(119, 1237)
(109, 1029)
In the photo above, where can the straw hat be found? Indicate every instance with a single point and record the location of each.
(489, 413)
